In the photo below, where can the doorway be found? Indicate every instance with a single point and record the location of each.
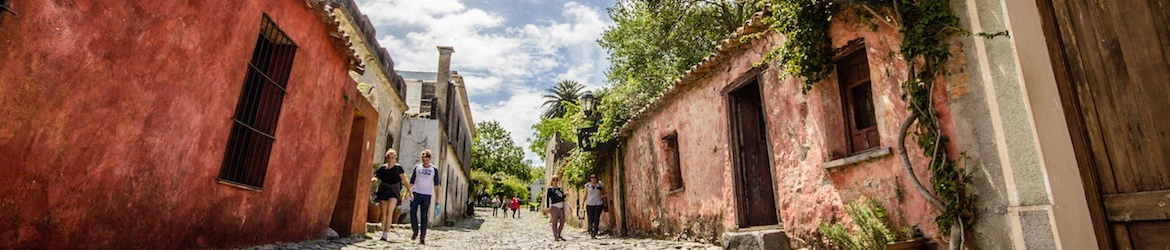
(755, 192)
(1113, 66)
(345, 208)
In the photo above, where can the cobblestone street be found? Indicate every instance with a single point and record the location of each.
(531, 231)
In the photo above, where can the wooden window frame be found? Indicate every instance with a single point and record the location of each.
(257, 113)
(853, 135)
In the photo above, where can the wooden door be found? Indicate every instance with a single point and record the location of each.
(757, 203)
(1115, 75)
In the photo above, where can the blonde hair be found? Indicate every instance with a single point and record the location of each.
(426, 152)
(391, 151)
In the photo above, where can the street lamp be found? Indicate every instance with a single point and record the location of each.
(587, 102)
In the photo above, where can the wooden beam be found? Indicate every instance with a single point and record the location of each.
(1140, 206)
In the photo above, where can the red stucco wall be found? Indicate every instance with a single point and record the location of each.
(115, 117)
(805, 130)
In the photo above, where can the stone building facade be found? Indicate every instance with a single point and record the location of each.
(378, 82)
(122, 124)
(447, 131)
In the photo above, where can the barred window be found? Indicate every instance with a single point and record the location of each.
(254, 124)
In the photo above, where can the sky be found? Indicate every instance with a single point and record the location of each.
(508, 51)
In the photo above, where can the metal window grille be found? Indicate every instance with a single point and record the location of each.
(5, 7)
(254, 123)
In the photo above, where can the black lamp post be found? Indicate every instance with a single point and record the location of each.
(587, 102)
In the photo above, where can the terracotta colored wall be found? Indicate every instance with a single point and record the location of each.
(117, 113)
(804, 131)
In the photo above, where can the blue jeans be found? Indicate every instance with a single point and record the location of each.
(419, 207)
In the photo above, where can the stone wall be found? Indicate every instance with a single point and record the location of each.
(381, 91)
(117, 116)
(419, 134)
(804, 130)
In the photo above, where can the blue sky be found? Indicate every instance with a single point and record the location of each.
(509, 51)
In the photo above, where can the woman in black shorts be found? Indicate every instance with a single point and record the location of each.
(392, 178)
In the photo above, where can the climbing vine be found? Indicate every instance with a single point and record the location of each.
(927, 28)
(807, 49)
(578, 167)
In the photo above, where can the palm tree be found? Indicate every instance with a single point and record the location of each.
(564, 91)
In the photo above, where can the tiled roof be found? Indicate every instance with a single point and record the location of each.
(722, 52)
(340, 37)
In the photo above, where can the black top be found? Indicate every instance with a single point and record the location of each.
(389, 175)
(555, 195)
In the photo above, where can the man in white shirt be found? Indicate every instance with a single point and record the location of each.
(425, 181)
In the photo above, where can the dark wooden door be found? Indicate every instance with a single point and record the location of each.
(757, 203)
(1116, 75)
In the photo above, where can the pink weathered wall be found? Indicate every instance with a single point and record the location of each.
(805, 130)
(116, 115)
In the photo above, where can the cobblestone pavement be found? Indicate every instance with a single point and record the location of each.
(531, 231)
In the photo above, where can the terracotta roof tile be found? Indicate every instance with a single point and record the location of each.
(340, 37)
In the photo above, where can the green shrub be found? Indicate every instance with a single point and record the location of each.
(871, 227)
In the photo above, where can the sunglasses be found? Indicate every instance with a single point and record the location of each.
(592, 177)
(426, 156)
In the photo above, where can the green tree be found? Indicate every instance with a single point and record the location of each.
(565, 91)
(481, 182)
(566, 125)
(652, 42)
(494, 153)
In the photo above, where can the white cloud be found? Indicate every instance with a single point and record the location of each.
(494, 57)
(482, 84)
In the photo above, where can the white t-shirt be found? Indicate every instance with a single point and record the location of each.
(424, 179)
(593, 194)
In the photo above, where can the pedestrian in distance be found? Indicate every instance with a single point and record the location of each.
(515, 206)
(504, 205)
(556, 207)
(495, 205)
(594, 203)
(425, 181)
(391, 177)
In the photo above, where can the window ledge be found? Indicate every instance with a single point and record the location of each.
(860, 157)
(240, 186)
(675, 191)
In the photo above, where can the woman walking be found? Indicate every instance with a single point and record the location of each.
(556, 207)
(392, 177)
(515, 206)
(594, 203)
(425, 180)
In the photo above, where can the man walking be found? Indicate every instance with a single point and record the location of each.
(425, 181)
